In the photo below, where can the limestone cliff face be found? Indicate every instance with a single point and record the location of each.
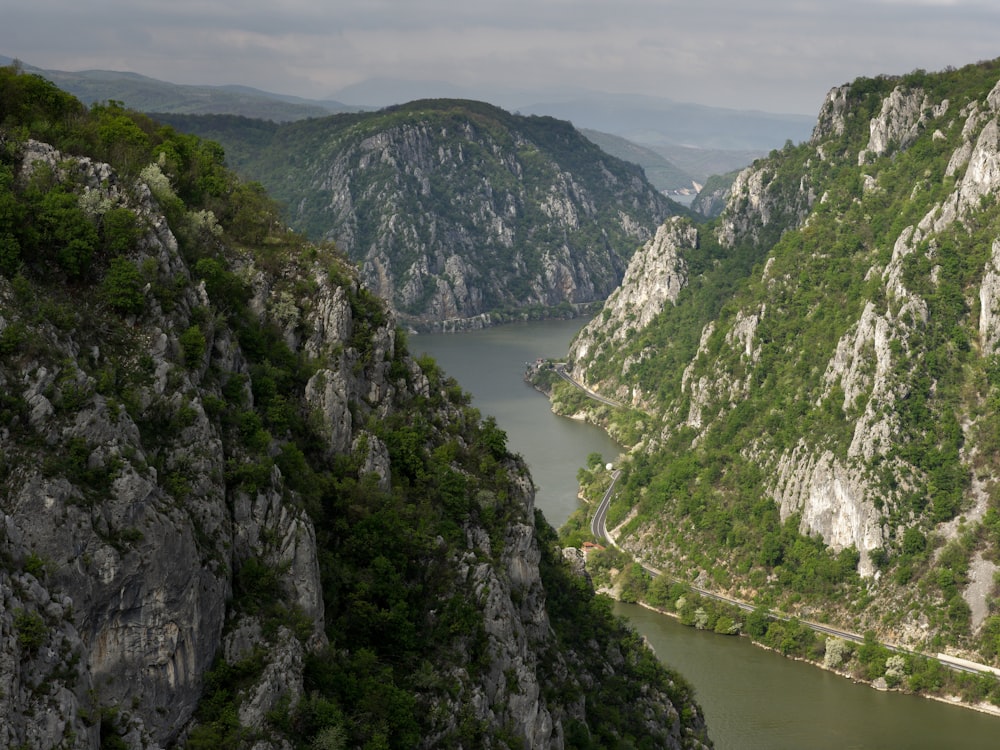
(758, 205)
(442, 245)
(829, 365)
(458, 211)
(898, 123)
(654, 277)
(158, 517)
(876, 359)
(125, 508)
(834, 495)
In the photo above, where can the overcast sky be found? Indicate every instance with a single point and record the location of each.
(771, 55)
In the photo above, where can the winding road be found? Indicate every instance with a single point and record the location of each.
(560, 368)
(598, 524)
(599, 530)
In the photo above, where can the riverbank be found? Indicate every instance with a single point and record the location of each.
(951, 700)
(849, 670)
(886, 666)
(755, 700)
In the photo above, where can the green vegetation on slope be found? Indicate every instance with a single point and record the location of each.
(920, 437)
(454, 208)
(400, 632)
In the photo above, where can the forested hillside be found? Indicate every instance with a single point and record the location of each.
(455, 210)
(814, 401)
(235, 511)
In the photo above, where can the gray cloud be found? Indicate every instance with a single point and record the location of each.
(776, 55)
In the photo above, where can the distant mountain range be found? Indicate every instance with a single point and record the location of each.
(650, 121)
(656, 123)
(149, 94)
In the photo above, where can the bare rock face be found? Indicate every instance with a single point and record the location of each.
(833, 494)
(152, 529)
(456, 211)
(655, 276)
(141, 580)
(512, 630)
(989, 302)
(756, 203)
(833, 500)
(134, 533)
(830, 122)
(904, 113)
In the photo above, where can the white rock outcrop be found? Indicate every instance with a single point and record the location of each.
(655, 276)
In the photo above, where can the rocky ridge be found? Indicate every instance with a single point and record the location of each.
(459, 213)
(184, 468)
(654, 277)
(841, 469)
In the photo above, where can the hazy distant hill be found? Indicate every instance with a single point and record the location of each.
(149, 94)
(662, 173)
(655, 122)
(681, 172)
(648, 121)
(702, 163)
(645, 120)
(696, 141)
(674, 142)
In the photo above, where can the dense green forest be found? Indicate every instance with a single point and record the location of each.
(404, 645)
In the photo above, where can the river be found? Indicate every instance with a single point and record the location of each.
(753, 699)
(490, 364)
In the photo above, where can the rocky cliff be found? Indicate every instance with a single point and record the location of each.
(654, 279)
(457, 210)
(234, 511)
(828, 370)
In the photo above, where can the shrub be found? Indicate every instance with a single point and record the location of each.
(119, 230)
(31, 630)
(122, 287)
(192, 343)
(12, 337)
(61, 224)
(837, 649)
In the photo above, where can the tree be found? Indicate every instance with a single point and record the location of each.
(895, 669)
(635, 581)
(493, 438)
(59, 225)
(757, 623)
(10, 219)
(122, 287)
(914, 541)
(119, 230)
(837, 649)
(193, 344)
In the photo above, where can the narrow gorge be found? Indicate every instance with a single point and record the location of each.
(235, 511)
